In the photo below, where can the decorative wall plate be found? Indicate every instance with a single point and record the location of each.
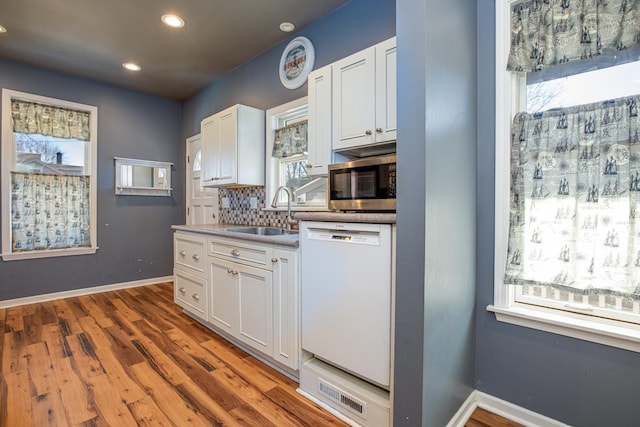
(296, 62)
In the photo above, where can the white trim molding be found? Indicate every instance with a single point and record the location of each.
(7, 163)
(518, 414)
(613, 333)
(84, 291)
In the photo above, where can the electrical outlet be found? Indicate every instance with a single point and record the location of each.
(225, 202)
(253, 203)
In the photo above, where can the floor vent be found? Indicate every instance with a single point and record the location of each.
(344, 399)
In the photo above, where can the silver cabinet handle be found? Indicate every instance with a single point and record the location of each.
(367, 132)
(274, 259)
(213, 215)
(235, 273)
(235, 252)
(196, 257)
(196, 297)
(229, 271)
(183, 253)
(379, 130)
(182, 290)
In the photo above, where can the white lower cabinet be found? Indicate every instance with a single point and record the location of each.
(189, 280)
(250, 292)
(241, 303)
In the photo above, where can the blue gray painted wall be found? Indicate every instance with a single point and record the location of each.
(134, 234)
(436, 210)
(574, 381)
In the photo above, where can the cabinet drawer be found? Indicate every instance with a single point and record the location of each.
(254, 255)
(189, 254)
(189, 292)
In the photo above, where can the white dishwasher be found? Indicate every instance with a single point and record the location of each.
(346, 296)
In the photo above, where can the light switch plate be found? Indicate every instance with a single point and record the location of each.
(225, 202)
(253, 203)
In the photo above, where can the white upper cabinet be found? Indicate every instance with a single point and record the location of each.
(233, 147)
(319, 138)
(364, 97)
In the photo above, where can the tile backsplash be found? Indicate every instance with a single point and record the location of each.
(239, 211)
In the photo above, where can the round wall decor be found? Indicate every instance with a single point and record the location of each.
(296, 62)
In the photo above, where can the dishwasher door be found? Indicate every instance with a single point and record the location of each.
(346, 296)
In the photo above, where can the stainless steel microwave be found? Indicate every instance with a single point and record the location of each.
(367, 184)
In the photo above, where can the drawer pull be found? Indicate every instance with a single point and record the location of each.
(235, 273)
(183, 253)
(196, 257)
(367, 132)
(378, 130)
(274, 260)
(229, 271)
(235, 252)
(196, 297)
(182, 290)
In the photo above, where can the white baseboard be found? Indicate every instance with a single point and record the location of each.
(518, 414)
(83, 291)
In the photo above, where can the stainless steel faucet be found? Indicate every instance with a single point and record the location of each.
(274, 204)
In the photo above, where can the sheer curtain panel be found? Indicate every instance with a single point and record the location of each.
(575, 199)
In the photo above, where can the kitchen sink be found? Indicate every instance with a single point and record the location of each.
(262, 231)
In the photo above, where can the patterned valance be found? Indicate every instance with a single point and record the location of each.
(575, 199)
(550, 32)
(33, 118)
(290, 140)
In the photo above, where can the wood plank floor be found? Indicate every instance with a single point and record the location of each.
(130, 357)
(483, 418)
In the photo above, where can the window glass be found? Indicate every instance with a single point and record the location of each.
(38, 153)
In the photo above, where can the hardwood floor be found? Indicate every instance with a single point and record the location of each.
(484, 418)
(130, 357)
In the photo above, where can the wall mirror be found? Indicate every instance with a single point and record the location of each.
(142, 177)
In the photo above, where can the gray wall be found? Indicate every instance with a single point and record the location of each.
(437, 198)
(571, 380)
(134, 234)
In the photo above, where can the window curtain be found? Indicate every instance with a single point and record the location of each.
(575, 199)
(549, 32)
(49, 211)
(290, 140)
(30, 118)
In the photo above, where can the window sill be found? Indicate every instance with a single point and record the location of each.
(602, 331)
(48, 254)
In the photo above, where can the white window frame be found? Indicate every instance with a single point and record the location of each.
(582, 326)
(8, 163)
(274, 116)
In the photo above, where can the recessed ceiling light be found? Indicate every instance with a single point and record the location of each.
(132, 66)
(172, 20)
(2, 29)
(287, 27)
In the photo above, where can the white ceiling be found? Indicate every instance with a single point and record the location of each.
(92, 38)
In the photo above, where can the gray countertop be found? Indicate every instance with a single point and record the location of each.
(290, 240)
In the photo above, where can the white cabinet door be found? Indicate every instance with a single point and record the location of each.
(286, 308)
(255, 308)
(223, 295)
(233, 147)
(228, 146)
(354, 100)
(386, 90)
(210, 136)
(364, 97)
(319, 102)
